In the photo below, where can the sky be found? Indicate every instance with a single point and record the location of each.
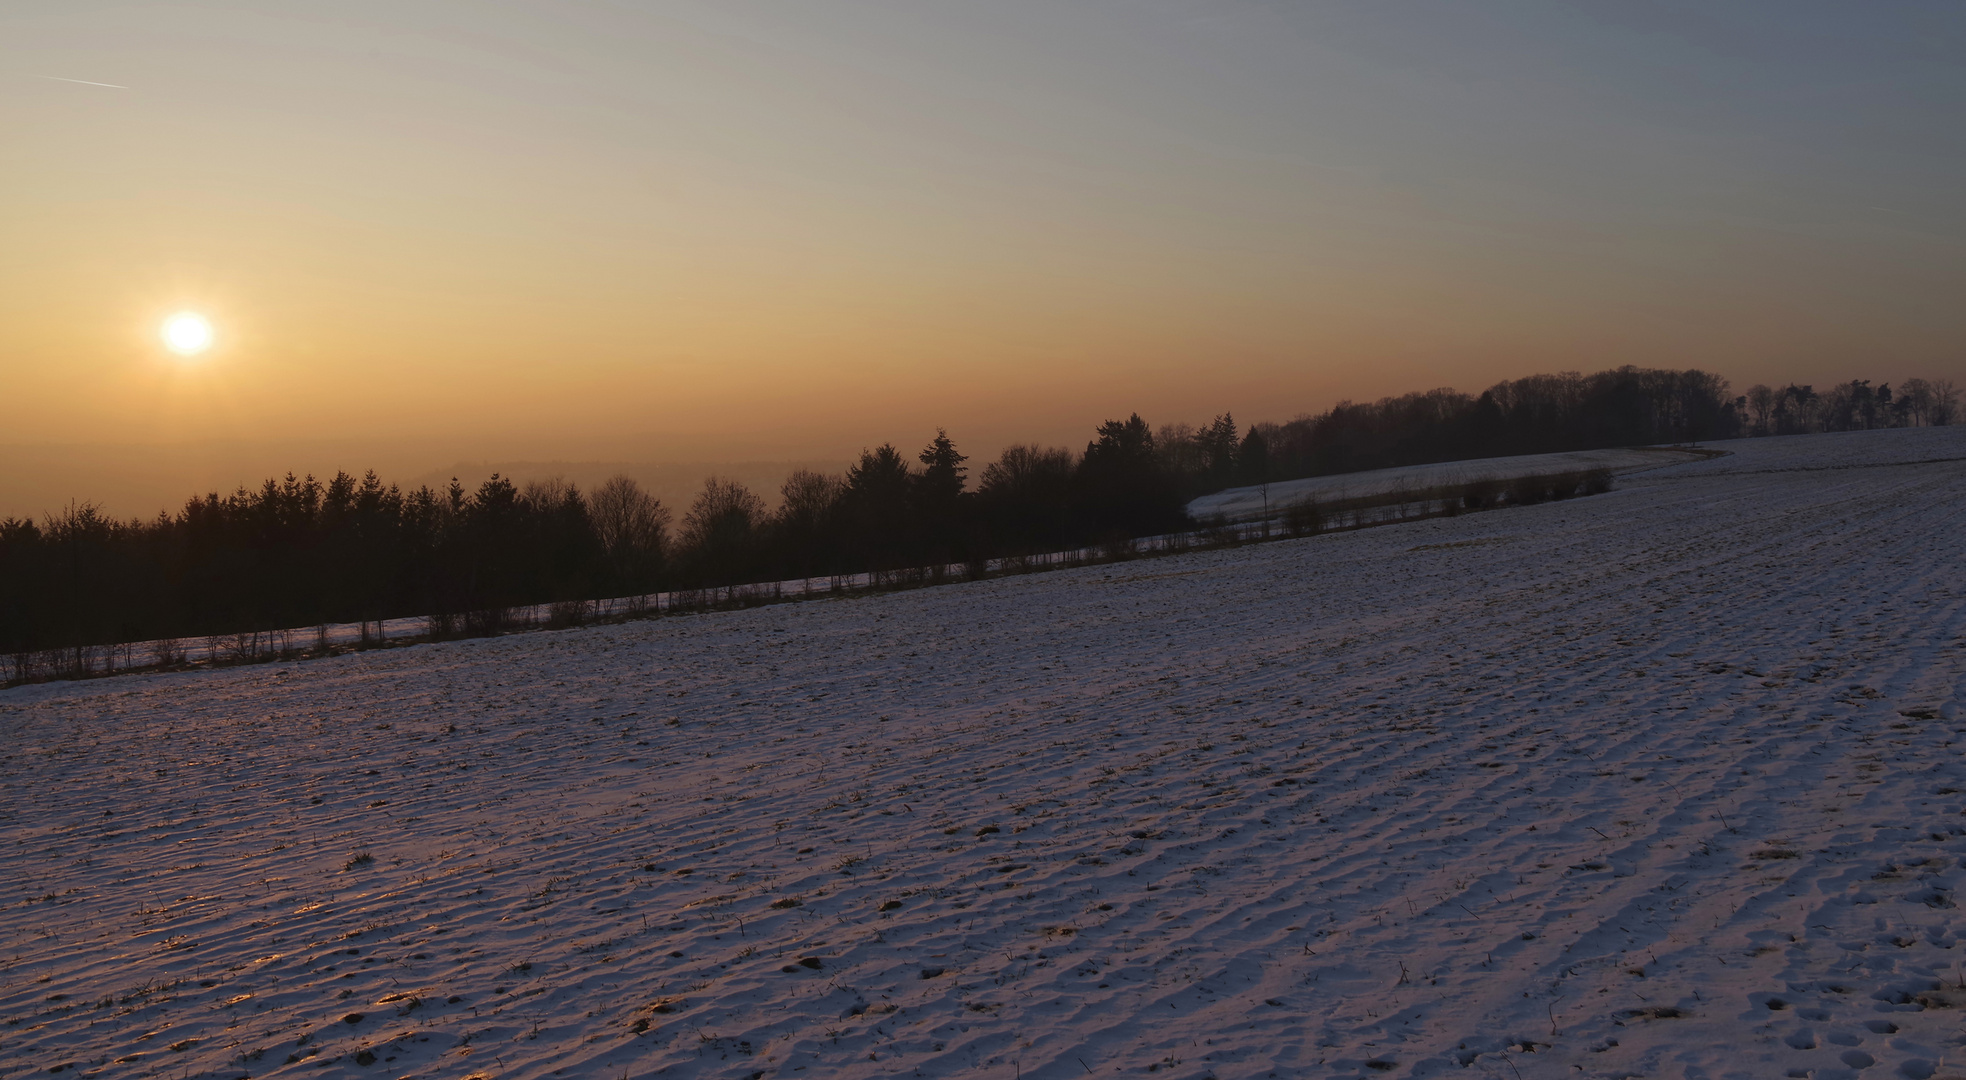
(437, 232)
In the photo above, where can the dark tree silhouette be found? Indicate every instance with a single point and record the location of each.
(941, 507)
(1026, 498)
(297, 551)
(721, 531)
(879, 509)
(1121, 488)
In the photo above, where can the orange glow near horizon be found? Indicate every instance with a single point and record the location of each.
(714, 232)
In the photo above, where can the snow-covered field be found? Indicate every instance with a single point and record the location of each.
(1242, 503)
(1664, 782)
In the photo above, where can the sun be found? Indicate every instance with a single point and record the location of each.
(187, 333)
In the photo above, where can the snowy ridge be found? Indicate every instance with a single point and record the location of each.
(1242, 503)
(1663, 782)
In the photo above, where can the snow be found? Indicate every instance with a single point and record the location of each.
(1661, 782)
(1243, 503)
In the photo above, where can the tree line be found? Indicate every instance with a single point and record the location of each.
(299, 552)
(1850, 406)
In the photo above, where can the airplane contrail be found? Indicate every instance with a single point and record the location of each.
(84, 82)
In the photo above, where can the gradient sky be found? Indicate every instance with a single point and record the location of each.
(725, 231)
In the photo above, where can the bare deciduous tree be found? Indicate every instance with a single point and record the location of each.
(633, 527)
(721, 529)
(807, 498)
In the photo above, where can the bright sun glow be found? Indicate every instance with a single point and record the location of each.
(187, 334)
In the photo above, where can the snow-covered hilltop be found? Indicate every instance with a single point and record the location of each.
(1243, 503)
(1661, 782)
